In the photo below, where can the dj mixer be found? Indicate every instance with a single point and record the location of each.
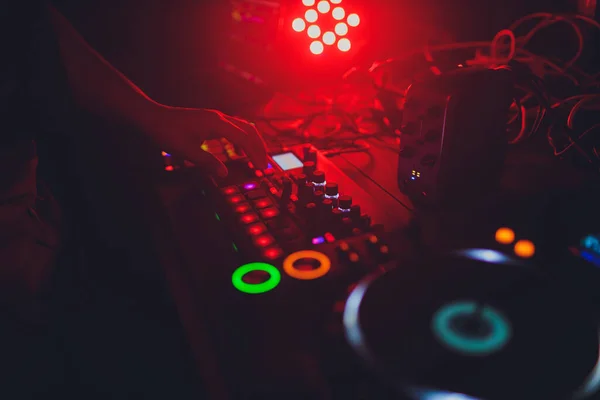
(306, 294)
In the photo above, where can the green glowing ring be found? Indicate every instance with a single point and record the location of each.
(499, 336)
(256, 288)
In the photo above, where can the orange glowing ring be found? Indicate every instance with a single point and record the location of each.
(322, 270)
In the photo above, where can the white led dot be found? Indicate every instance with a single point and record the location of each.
(313, 31)
(311, 15)
(298, 25)
(341, 29)
(308, 3)
(323, 7)
(353, 20)
(329, 38)
(316, 47)
(338, 13)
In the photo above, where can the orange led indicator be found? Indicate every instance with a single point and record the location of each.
(505, 236)
(524, 248)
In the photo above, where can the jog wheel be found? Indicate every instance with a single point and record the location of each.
(478, 327)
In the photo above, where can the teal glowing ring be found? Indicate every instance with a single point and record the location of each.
(499, 336)
(256, 288)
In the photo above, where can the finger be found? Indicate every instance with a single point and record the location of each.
(253, 142)
(208, 162)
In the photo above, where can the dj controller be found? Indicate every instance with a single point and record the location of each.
(306, 292)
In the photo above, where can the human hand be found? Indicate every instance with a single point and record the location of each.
(183, 130)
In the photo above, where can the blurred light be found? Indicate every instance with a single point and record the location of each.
(329, 38)
(341, 29)
(311, 15)
(524, 249)
(313, 31)
(299, 25)
(308, 3)
(338, 13)
(316, 47)
(344, 44)
(318, 240)
(486, 255)
(505, 236)
(353, 20)
(323, 7)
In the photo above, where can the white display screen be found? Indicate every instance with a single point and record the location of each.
(287, 161)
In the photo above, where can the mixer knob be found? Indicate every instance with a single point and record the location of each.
(311, 212)
(331, 189)
(318, 178)
(327, 204)
(345, 203)
(301, 179)
(355, 212)
(317, 196)
(365, 222)
(308, 169)
(337, 214)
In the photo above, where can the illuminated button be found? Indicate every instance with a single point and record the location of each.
(256, 288)
(269, 171)
(273, 253)
(353, 257)
(230, 190)
(256, 194)
(249, 218)
(384, 250)
(489, 332)
(250, 186)
(258, 174)
(236, 199)
(323, 6)
(263, 203)
(264, 240)
(268, 213)
(329, 237)
(343, 247)
(505, 236)
(257, 229)
(169, 168)
(323, 268)
(242, 208)
(373, 239)
(524, 249)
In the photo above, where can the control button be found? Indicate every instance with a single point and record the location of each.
(258, 173)
(311, 255)
(428, 160)
(273, 253)
(238, 198)
(327, 205)
(331, 189)
(269, 171)
(318, 177)
(262, 203)
(264, 240)
(301, 179)
(345, 202)
(257, 229)
(269, 213)
(410, 128)
(250, 186)
(308, 169)
(242, 208)
(317, 196)
(230, 190)
(256, 194)
(312, 155)
(273, 279)
(249, 218)
(343, 247)
(355, 212)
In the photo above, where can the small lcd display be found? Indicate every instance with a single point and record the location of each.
(287, 161)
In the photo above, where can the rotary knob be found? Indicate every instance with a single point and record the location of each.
(345, 202)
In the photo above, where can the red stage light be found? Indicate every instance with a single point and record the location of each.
(315, 31)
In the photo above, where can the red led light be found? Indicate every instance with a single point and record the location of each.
(313, 31)
(273, 253)
(269, 213)
(353, 20)
(257, 229)
(242, 208)
(263, 203)
(298, 25)
(316, 47)
(258, 174)
(229, 190)
(264, 240)
(235, 199)
(329, 38)
(344, 44)
(249, 218)
(323, 7)
(169, 168)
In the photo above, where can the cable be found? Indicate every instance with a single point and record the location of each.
(574, 142)
(578, 106)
